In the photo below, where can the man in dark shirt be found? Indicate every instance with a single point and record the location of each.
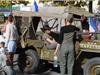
(84, 23)
(66, 46)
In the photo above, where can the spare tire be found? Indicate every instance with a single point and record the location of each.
(92, 67)
(28, 61)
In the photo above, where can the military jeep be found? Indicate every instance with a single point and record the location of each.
(31, 47)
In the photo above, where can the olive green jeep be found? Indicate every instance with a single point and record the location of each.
(31, 47)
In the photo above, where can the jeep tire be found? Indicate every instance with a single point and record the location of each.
(92, 67)
(28, 61)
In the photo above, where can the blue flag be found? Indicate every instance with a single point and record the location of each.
(93, 24)
(36, 6)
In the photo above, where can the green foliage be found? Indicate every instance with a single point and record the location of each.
(98, 2)
(23, 2)
(5, 3)
(59, 4)
(81, 3)
(17, 2)
(72, 3)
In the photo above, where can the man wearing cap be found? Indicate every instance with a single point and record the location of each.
(49, 40)
(66, 46)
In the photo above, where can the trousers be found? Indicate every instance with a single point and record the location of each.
(66, 58)
(66, 55)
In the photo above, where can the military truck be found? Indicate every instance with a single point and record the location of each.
(31, 48)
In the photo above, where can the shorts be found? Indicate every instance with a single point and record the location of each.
(12, 46)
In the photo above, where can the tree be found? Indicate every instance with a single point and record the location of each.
(90, 6)
(78, 3)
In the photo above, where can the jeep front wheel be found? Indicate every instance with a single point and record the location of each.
(28, 61)
(92, 67)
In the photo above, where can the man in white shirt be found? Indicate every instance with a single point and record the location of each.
(11, 39)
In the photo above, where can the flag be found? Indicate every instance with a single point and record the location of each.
(36, 6)
(92, 25)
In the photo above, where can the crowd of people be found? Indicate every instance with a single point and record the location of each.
(90, 24)
(8, 46)
(87, 22)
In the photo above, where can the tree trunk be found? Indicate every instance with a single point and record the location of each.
(90, 6)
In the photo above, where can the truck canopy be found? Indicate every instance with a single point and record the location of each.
(54, 12)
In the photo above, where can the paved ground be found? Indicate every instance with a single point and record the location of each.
(42, 71)
(45, 69)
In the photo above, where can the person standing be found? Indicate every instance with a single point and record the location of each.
(10, 41)
(3, 59)
(66, 46)
(84, 23)
(3, 30)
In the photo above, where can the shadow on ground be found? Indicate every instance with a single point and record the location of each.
(44, 67)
